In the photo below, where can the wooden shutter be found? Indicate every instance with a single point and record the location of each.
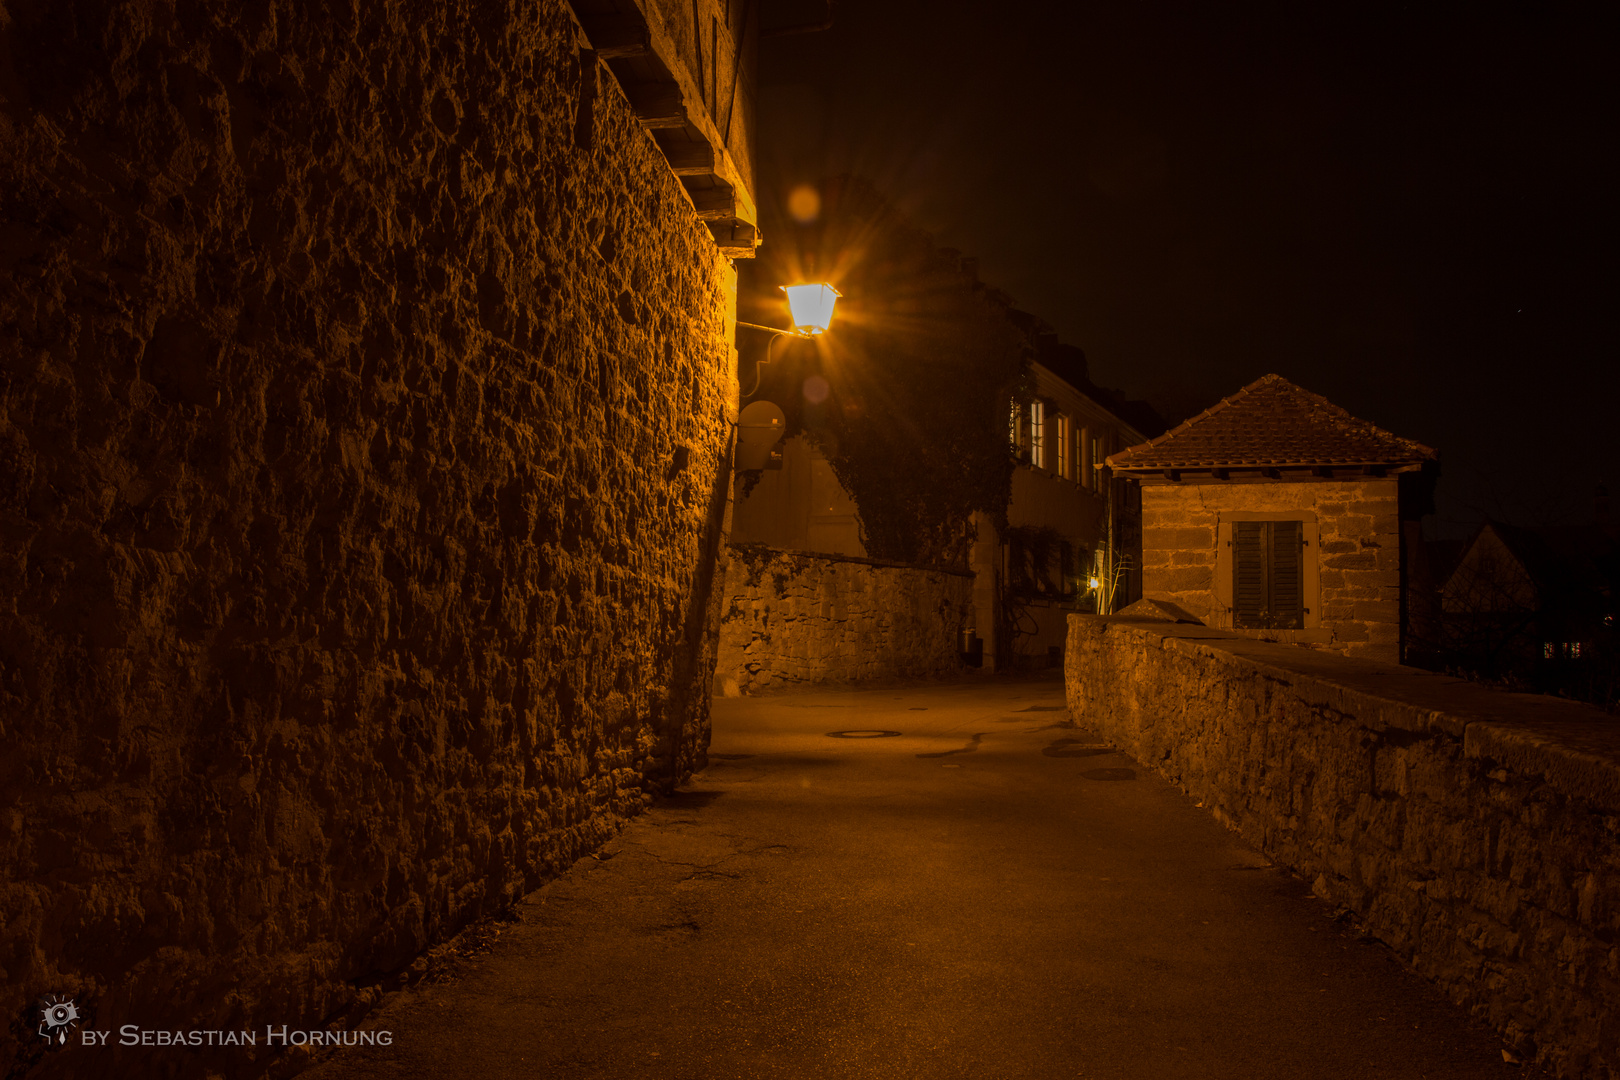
(1287, 584)
(1248, 572)
(1268, 585)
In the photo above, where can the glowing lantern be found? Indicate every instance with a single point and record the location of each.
(811, 307)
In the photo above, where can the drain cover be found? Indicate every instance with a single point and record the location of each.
(1109, 774)
(862, 733)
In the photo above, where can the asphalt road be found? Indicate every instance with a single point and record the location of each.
(990, 893)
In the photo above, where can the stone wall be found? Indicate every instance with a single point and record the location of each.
(1353, 564)
(792, 618)
(365, 393)
(1475, 832)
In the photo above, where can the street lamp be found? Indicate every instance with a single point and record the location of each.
(811, 308)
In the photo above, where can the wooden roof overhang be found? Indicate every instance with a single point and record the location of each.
(1250, 472)
(629, 36)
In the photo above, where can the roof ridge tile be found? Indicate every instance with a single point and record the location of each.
(1272, 422)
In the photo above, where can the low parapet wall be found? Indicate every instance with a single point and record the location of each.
(1475, 832)
(791, 617)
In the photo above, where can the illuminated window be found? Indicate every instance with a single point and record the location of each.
(1037, 434)
(1063, 441)
(1096, 458)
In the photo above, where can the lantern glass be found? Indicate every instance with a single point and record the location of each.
(811, 307)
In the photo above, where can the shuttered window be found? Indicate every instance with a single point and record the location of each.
(1268, 584)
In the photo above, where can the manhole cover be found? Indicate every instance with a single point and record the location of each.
(867, 733)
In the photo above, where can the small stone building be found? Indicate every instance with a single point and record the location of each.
(1278, 514)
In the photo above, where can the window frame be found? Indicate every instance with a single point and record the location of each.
(1037, 433)
(1310, 564)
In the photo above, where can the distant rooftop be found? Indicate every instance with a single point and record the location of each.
(1272, 424)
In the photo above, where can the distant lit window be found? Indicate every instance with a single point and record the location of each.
(1037, 434)
(1063, 441)
(1563, 650)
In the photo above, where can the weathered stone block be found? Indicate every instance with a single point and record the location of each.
(1480, 864)
(1178, 539)
(1349, 526)
(1178, 579)
(864, 621)
(1384, 633)
(1376, 611)
(1174, 508)
(1380, 578)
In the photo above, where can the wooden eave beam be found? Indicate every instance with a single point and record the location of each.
(666, 98)
(715, 204)
(686, 157)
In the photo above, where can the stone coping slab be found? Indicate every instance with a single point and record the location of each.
(766, 551)
(1573, 746)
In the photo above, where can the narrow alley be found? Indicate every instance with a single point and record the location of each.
(923, 881)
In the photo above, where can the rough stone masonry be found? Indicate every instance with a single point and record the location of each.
(1474, 831)
(1352, 573)
(793, 618)
(365, 405)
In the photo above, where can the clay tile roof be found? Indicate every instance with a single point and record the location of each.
(1272, 423)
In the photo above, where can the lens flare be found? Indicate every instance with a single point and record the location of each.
(804, 204)
(816, 389)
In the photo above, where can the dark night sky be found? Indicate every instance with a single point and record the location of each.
(1409, 213)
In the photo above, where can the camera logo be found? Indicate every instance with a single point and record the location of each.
(58, 1019)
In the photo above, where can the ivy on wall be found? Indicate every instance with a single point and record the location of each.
(908, 396)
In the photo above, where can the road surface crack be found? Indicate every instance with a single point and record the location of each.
(973, 744)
